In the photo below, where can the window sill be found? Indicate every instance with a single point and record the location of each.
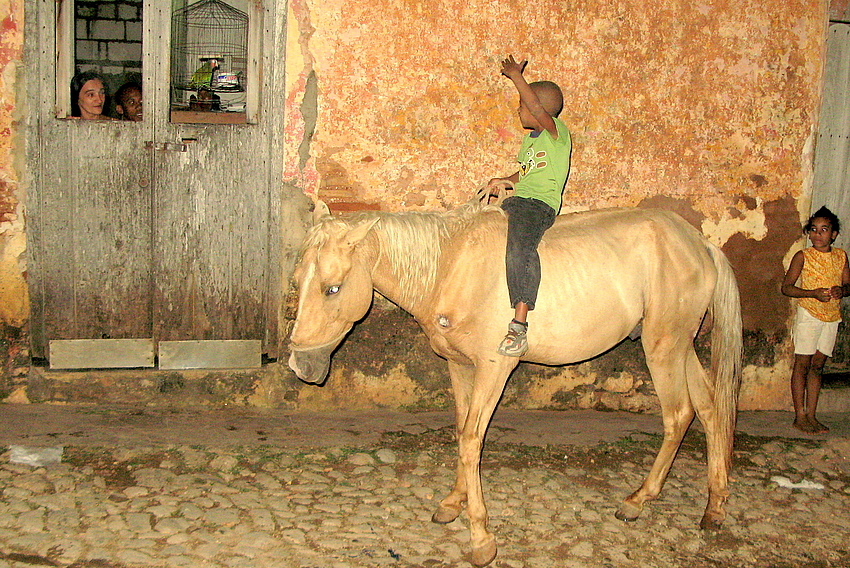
(201, 117)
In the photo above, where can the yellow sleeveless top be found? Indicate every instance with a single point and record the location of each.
(822, 270)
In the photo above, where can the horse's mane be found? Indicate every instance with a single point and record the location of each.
(412, 241)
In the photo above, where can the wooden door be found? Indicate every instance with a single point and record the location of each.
(214, 219)
(153, 229)
(832, 161)
(89, 211)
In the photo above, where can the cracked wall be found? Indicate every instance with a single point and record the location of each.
(708, 108)
(713, 102)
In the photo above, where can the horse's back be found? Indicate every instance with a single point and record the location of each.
(600, 272)
(591, 239)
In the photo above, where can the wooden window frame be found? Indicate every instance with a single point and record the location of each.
(252, 93)
(65, 58)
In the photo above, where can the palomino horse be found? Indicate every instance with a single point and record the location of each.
(605, 274)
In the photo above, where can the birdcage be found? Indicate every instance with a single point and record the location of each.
(209, 57)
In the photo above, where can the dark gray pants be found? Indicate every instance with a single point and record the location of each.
(528, 219)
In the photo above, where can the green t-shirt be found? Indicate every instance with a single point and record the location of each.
(544, 164)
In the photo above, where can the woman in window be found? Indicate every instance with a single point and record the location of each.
(88, 96)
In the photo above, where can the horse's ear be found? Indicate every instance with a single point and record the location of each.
(359, 232)
(320, 209)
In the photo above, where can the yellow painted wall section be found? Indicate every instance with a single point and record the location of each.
(705, 101)
(14, 298)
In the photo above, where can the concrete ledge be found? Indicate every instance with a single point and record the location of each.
(271, 386)
(834, 400)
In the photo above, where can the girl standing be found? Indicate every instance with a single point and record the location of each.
(819, 277)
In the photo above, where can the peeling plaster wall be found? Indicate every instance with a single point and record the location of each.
(14, 298)
(711, 101)
(839, 10)
(707, 108)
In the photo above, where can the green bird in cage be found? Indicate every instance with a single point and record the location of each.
(202, 77)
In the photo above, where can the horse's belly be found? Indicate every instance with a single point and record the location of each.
(568, 327)
(561, 347)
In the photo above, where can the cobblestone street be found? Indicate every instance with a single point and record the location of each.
(358, 490)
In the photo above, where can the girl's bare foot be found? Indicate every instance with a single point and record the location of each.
(817, 427)
(803, 424)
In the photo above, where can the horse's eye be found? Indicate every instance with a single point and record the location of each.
(331, 290)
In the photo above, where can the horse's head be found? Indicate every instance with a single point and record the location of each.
(334, 292)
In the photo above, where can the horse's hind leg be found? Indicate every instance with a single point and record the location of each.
(667, 368)
(718, 442)
(450, 507)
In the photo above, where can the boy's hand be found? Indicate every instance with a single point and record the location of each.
(836, 292)
(495, 185)
(511, 69)
(495, 188)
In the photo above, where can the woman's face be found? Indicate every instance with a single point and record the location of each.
(91, 99)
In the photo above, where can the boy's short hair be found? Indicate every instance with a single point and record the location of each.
(823, 213)
(550, 96)
(124, 90)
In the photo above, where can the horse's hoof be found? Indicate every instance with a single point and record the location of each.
(711, 522)
(444, 515)
(484, 555)
(628, 512)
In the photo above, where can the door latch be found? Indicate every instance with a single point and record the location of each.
(167, 146)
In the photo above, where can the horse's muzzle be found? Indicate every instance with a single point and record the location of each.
(312, 365)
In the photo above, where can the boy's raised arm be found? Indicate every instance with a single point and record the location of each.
(513, 71)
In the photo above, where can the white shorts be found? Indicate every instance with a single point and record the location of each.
(811, 334)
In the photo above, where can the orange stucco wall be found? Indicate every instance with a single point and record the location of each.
(711, 101)
(709, 108)
(13, 307)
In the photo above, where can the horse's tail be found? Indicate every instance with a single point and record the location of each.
(726, 346)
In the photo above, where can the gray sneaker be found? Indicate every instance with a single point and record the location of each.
(515, 343)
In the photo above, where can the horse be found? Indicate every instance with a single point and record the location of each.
(607, 274)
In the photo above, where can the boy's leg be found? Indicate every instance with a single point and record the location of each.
(802, 363)
(521, 312)
(813, 384)
(521, 246)
(528, 219)
(515, 342)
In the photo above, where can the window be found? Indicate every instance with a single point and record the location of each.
(213, 71)
(209, 62)
(102, 39)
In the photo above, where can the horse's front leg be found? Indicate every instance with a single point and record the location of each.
(490, 379)
(462, 377)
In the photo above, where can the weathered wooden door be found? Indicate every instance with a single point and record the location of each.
(214, 214)
(153, 229)
(832, 160)
(832, 152)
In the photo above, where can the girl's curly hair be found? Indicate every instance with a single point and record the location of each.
(823, 213)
